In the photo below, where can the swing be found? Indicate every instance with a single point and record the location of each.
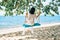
(38, 22)
(35, 24)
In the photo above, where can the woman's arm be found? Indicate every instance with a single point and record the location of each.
(38, 13)
(26, 16)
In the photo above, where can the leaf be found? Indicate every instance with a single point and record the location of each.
(21, 5)
(59, 4)
(6, 14)
(52, 14)
(44, 0)
(1, 8)
(57, 13)
(52, 0)
(58, 0)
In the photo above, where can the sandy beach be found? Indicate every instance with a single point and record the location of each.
(17, 32)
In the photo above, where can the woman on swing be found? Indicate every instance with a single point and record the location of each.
(30, 17)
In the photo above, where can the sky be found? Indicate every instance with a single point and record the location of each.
(2, 12)
(0, 0)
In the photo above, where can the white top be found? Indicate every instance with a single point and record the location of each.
(30, 19)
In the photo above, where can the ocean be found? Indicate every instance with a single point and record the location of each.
(10, 21)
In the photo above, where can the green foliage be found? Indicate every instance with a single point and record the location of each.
(21, 5)
(58, 0)
(44, 0)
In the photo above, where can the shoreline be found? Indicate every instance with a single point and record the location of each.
(20, 28)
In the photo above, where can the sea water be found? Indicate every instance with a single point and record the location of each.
(10, 21)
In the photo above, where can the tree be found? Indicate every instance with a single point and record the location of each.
(21, 5)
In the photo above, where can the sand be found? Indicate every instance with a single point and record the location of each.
(45, 31)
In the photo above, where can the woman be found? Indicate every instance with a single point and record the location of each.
(30, 17)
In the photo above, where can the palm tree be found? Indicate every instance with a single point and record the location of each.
(21, 5)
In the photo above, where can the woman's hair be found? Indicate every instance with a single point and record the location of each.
(32, 10)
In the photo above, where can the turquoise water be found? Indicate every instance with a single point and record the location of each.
(6, 21)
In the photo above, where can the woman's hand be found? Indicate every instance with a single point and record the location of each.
(26, 14)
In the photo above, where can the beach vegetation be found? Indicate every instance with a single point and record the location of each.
(20, 6)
